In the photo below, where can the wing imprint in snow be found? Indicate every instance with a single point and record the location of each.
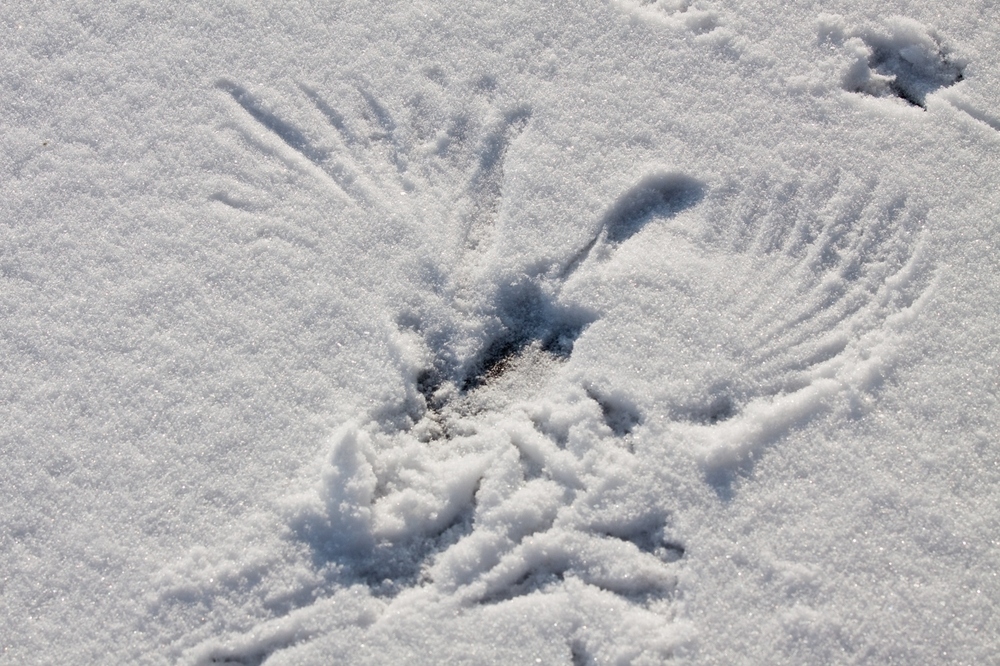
(816, 289)
(341, 174)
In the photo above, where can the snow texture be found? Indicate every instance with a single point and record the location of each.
(624, 332)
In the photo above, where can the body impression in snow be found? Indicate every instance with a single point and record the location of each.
(503, 476)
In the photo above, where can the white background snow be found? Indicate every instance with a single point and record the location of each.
(499, 332)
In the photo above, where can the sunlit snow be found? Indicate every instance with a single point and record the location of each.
(618, 332)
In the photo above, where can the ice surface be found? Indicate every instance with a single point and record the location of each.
(611, 333)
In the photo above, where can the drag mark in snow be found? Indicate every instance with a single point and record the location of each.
(333, 117)
(619, 412)
(253, 659)
(649, 536)
(959, 102)
(231, 201)
(384, 128)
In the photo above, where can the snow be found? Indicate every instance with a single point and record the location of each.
(608, 333)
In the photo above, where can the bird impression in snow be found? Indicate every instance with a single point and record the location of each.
(508, 473)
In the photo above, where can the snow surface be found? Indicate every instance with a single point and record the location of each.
(474, 332)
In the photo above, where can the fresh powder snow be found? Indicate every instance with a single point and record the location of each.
(607, 332)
